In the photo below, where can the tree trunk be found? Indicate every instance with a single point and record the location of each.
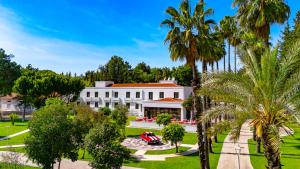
(198, 111)
(210, 145)
(254, 133)
(176, 146)
(258, 142)
(229, 68)
(235, 59)
(24, 112)
(204, 107)
(83, 154)
(217, 64)
(59, 164)
(272, 156)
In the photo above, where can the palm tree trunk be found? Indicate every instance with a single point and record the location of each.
(272, 155)
(198, 111)
(235, 59)
(254, 133)
(258, 143)
(217, 64)
(229, 68)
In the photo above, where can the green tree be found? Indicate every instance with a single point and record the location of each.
(103, 143)
(163, 119)
(173, 132)
(10, 71)
(267, 91)
(51, 136)
(120, 116)
(258, 16)
(105, 110)
(84, 120)
(183, 75)
(227, 29)
(13, 117)
(116, 69)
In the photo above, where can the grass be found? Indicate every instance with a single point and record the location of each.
(12, 166)
(189, 138)
(290, 152)
(182, 162)
(169, 151)
(6, 128)
(14, 140)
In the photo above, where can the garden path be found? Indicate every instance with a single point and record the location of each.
(228, 158)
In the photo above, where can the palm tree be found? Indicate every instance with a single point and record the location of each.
(235, 40)
(265, 90)
(258, 16)
(187, 41)
(228, 28)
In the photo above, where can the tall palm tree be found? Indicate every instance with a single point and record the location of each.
(258, 16)
(235, 40)
(188, 41)
(266, 90)
(228, 28)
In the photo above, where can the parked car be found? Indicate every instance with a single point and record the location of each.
(150, 138)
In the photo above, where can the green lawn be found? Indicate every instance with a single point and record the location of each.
(189, 138)
(169, 151)
(130, 118)
(11, 166)
(7, 129)
(18, 149)
(182, 162)
(290, 150)
(14, 140)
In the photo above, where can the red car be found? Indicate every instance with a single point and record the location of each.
(150, 138)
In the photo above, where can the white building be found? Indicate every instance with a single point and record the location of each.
(142, 99)
(11, 104)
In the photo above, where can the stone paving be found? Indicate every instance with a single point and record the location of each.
(139, 144)
(153, 125)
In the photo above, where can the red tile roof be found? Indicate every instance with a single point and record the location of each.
(145, 85)
(10, 96)
(169, 99)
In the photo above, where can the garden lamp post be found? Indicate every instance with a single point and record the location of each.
(238, 152)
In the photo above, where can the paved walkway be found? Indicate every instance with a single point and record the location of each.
(14, 135)
(13, 146)
(65, 163)
(228, 158)
(153, 125)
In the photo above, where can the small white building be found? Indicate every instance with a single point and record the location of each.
(11, 104)
(142, 99)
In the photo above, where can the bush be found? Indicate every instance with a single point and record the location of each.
(163, 119)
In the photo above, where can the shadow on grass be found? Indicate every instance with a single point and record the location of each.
(133, 135)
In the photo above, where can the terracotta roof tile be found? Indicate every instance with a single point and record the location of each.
(169, 99)
(146, 85)
(10, 96)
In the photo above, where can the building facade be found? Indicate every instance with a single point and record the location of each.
(11, 104)
(142, 99)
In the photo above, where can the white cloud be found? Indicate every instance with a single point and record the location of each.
(63, 56)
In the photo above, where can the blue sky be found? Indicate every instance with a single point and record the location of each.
(77, 36)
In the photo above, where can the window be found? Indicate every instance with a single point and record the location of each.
(136, 106)
(176, 95)
(116, 94)
(116, 104)
(128, 105)
(137, 95)
(106, 104)
(150, 95)
(106, 94)
(87, 94)
(127, 94)
(96, 104)
(88, 103)
(96, 94)
(161, 94)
